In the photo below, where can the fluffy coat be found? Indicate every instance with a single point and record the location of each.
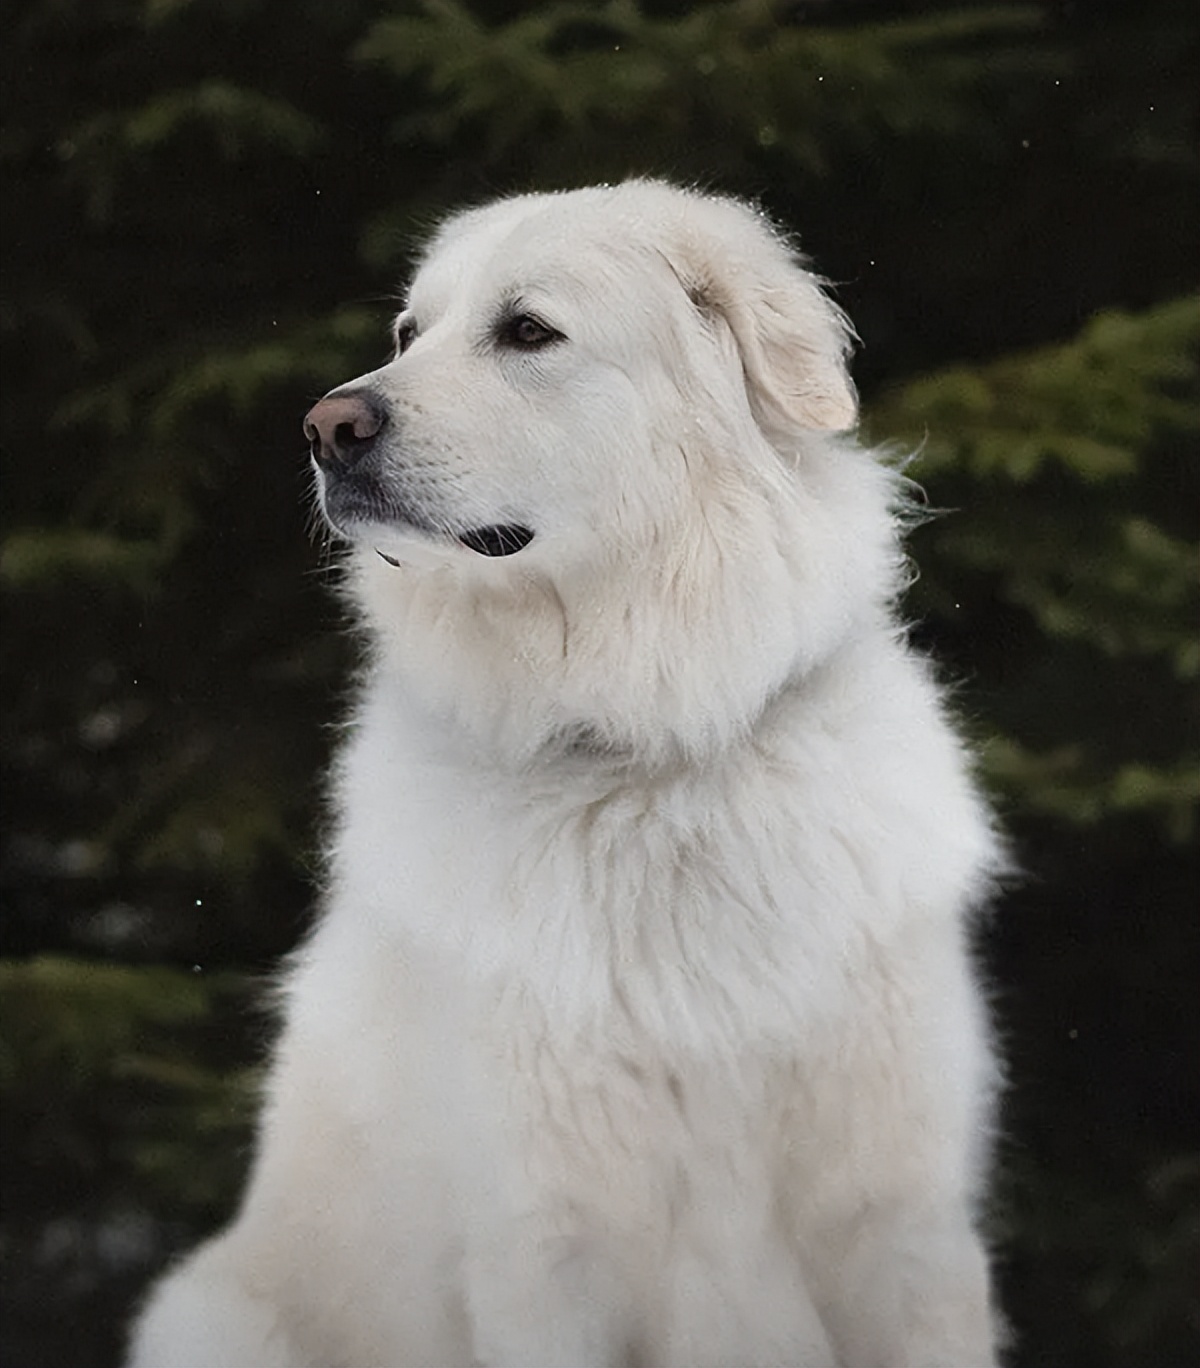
(639, 1029)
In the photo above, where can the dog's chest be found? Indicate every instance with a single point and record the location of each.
(692, 916)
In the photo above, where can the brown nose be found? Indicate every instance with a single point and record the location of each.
(341, 427)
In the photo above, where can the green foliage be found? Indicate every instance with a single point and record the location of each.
(101, 1074)
(1066, 783)
(104, 146)
(1090, 405)
(1134, 1258)
(1067, 446)
(741, 66)
(51, 556)
(694, 88)
(170, 403)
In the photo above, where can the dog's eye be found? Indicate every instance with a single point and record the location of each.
(406, 331)
(527, 333)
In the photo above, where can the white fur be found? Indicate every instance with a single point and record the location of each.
(639, 1030)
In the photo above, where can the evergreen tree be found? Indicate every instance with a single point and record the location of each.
(208, 211)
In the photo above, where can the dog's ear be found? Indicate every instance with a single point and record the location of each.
(792, 339)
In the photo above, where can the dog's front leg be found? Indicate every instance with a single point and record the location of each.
(203, 1316)
(910, 1290)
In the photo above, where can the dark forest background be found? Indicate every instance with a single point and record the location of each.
(207, 206)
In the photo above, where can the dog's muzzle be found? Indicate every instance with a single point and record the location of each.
(343, 429)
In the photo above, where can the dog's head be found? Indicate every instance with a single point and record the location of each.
(619, 401)
(525, 395)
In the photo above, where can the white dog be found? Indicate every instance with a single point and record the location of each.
(639, 1030)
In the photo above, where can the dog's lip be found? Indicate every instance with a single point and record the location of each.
(364, 502)
(497, 539)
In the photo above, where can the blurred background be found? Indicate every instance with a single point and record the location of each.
(208, 209)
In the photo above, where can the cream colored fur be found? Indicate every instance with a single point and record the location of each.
(639, 1029)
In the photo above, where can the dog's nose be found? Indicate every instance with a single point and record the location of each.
(341, 427)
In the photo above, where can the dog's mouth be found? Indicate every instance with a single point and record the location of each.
(504, 539)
